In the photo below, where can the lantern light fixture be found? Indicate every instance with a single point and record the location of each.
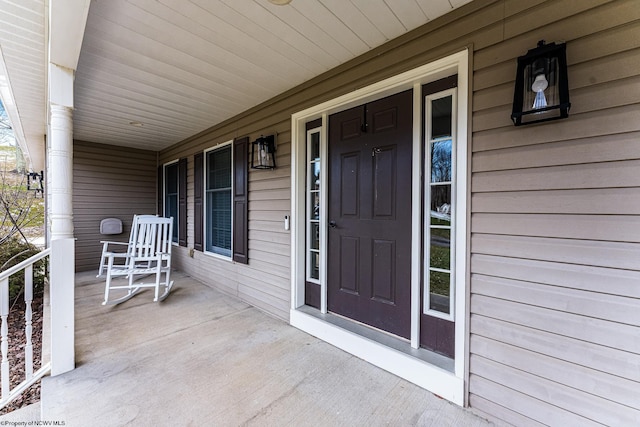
(35, 182)
(263, 152)
(542, 89)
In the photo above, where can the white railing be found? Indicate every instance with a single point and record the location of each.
(8, 394)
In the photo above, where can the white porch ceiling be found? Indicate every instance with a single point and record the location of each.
(181, 66)
(23, 72)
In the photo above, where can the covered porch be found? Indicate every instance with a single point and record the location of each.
(135, 106)
(203, 357)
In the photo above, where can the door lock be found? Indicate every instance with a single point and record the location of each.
(332, 224)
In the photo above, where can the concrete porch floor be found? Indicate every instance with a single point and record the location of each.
(205, 358)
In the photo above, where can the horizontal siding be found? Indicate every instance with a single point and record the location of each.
(555, 225)
(593, 410)
(599, 201)
(583, 19)
(605, 328)
(567, 177)
(593, 357)
(596, 123)
(552, 369)
(608, 148)
(613, 228)
(596, 279)
(526, 407)
(108, 182)
(569, 251)
(486, 408)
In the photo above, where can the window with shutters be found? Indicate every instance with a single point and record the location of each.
(220, 200)
(171, 196)
(172, 202)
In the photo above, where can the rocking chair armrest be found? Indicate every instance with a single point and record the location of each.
(116, 254)
(114, 243)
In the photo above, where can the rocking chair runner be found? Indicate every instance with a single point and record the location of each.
(148, 252)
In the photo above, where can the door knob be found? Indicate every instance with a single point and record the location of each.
(332, 224)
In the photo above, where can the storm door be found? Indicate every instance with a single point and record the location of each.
(369, 213)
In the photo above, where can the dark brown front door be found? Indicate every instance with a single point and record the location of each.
(369, 239)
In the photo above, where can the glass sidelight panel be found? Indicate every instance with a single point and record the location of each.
(441, 160)
(440, 249)
(314, 236)
(441, 117)
(441, 207)
(439, 230)
(313, 193)
(440, 291)
(314, 205)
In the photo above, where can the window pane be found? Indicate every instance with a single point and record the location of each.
(315, 177)
(315, 265)
(219, 169)
(219, 222)
(171, 178)
(440, 250)
(441, 204)
(171, 211)
(314, 146)
(314, 206)
(439, 291)
(441, 161)
(441, 117)
(315, 235)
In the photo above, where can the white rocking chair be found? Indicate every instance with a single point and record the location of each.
(148, 252)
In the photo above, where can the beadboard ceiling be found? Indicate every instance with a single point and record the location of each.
(153, 72)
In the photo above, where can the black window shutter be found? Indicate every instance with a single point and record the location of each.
(182, 202)
(160, 211)
(198, 211)
(240, 200)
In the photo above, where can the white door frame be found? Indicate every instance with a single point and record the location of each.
(449, 385)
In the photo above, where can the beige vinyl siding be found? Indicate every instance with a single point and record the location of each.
(265, 281)
(108, 182)
(554, 228)
(555, 278)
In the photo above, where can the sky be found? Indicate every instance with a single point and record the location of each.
(6, 134)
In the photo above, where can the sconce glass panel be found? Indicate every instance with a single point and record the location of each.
(263, 153)
(541, 90)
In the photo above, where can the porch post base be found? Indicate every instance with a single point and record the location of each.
(62, 296)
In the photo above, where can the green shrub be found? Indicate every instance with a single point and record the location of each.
(14, 251)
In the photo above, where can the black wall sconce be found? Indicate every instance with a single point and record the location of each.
(542, 90)
(35, 182)
(263, 153)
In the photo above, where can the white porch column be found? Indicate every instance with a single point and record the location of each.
(61, 165)
(61, 221)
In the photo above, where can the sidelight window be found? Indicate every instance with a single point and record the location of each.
(440, 209)
(313, 249)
